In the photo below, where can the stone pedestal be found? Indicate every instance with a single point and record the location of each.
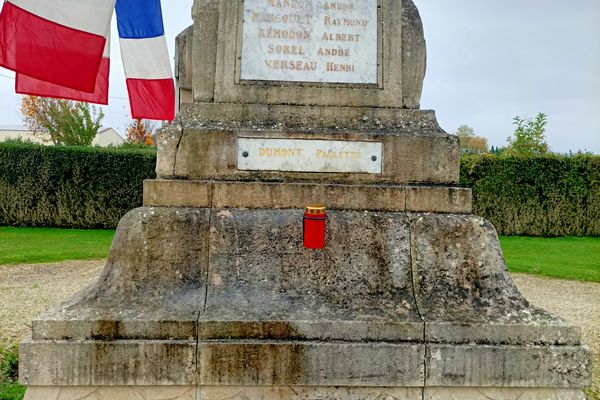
(228, 302)
(209, 293)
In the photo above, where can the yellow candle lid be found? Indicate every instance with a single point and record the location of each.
(316, 209)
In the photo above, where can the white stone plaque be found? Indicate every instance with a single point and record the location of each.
(310, 41)
(303, 155)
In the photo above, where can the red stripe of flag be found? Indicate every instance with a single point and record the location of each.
(152, 98)
(35, 87)
(47, 51)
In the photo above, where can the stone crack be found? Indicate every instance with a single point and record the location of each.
(206, 288)
(414, 290)
(177, 151)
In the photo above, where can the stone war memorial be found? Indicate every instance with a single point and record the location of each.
(210, 291)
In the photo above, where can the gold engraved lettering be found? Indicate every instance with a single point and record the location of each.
(330, 5)
(339, 52)
(338, 155)
(280, 152)
(341, 37)
(332, 21)
(283, 34)
(281, 18)
(332, 67)
(285, 49)
(303, 4)
(356, 22)
(291, 65)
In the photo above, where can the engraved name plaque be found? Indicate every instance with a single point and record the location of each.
(310, 41)
(300, 155)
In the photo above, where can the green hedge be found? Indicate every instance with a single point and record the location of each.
(546, 196)
(70, 187)
(93, 188)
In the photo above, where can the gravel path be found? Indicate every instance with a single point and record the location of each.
(577, 302)
(28, 290)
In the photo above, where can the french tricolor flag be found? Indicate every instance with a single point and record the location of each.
(56, 41)
(146, 59)
(60, 48)
(37, 87)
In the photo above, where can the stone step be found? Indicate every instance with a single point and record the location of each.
(278, 195)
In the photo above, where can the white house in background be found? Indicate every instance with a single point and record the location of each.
(11, 132)
(105, 137)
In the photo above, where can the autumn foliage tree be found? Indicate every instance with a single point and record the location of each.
(471, 143)
(63, 122)
(139, 133)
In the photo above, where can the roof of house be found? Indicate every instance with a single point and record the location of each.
(15, 127)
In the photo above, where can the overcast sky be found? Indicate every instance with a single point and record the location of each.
(488, 61)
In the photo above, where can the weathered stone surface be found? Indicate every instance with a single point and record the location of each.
(539, 329)
(294, 393)
(168, 144)
(211, 153)
(152, 286)
(157, 253)
(239, 275)
(107, 363)
(452, 200)
(177, 193)
(403, 75)
(414, 55)
(227, 362)
(460, 256)
(205, 14)
(308, 393)
(111, 393)
(265, 195)
(401, 48)
(245, 274)
(264, 272)
(202, 144)
(183, 66)
(508, 366)
(183, 58)
(231, 297)
(256, 363)
(482, 393)
(311, 118)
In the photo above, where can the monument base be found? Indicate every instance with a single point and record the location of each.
(229, 301)
(295, 393)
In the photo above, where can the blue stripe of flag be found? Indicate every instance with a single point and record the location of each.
(139, 19)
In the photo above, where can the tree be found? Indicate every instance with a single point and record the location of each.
(529, 139)
(139, 133)
(498, 150)
(469, 142)
(65, 122)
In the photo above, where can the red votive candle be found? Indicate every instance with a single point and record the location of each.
(315, 219)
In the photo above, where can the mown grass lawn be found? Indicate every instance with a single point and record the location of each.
(565, 258)
(38, 245)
